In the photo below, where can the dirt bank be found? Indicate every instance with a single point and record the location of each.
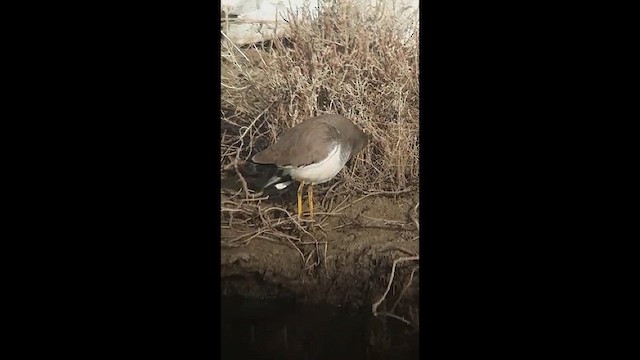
(345, 259)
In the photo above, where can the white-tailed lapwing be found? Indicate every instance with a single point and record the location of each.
(313, 152)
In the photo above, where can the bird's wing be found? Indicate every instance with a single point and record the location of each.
(305, 144)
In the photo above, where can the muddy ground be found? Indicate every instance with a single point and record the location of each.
(350, 265)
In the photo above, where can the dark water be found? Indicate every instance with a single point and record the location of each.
(253, 329)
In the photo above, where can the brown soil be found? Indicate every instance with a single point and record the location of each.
(350, 265)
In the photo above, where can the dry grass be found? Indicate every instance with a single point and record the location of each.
(336, 61)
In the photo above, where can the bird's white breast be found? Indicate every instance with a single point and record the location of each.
(324, 170)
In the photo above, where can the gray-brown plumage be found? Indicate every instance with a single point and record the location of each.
(315, 150)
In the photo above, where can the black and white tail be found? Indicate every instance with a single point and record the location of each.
(266, 177)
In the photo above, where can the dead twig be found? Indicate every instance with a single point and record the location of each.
(375, 193)
(245, 187)
(383, 223)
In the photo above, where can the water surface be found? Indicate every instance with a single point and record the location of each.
(255, 329)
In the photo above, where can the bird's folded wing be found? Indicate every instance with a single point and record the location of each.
(301, 145)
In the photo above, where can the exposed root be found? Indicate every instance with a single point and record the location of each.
(415, 216)
(374, 307)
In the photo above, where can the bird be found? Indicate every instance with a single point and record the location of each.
(312, 152)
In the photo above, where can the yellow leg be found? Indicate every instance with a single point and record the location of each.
(310, 194)
(300, 188)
